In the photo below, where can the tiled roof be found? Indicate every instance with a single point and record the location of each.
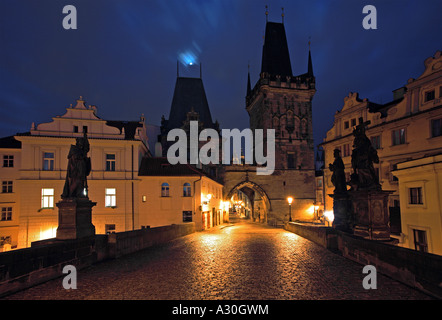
(10, 143)
(162, 167)
(189, 95)
(130, 127)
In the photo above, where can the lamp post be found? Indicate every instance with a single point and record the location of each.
(290, 200)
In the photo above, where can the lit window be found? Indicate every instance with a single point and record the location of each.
(110, 162)
(165, 189)
(8, 161)
(47, 198)
(398, 137)
(6, 214)
(187, 190)
(48, 161)
(415, 196)
(110, 199)
(6, 186)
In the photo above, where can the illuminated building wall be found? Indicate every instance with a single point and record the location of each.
(177, 194)
(420, 192)
(116, 148)
(408, 127)
(10, 157)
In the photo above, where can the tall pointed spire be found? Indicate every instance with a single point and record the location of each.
(249, 87)
(310, 64)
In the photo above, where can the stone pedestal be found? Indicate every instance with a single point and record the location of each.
(342, 212)
(75, 218)
(372, 218)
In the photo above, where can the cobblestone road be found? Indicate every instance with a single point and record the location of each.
(237, 261)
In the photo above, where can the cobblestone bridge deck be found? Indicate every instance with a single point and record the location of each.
(237, 261)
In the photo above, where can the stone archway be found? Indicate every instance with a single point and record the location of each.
(259, 198)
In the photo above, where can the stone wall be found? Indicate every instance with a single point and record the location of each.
(322, 235)
(123, 243)
(44, 260)
(420, 270)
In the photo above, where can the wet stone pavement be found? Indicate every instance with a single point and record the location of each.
(238, 261)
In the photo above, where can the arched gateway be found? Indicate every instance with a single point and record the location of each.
(268, 193)
(258, 197)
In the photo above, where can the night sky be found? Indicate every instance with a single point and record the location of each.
(123, 55)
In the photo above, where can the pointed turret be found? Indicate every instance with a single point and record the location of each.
(310, 64)
(249, 87)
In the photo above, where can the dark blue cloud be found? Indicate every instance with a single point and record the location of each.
(123, 55)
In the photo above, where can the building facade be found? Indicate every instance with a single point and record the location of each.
(40, 164)
(420, 193)
(173, 194)
(406, 128)
(10, 157)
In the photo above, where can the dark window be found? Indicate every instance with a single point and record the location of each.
(346, 125)
(8, 161)
(353, 122)
(85, 129)
(416, 196)
(48, 161)
(187, 216)
(6, 214)
(165, 189)
(6, 186)
(187, 190)
(420, 240)
(75, 129)
(376, 142)
(110, 162)
(109, 228)
(436, 125)
(290, 161)
(429, 95)
(398, 137)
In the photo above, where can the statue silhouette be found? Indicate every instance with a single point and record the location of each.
(79, 167)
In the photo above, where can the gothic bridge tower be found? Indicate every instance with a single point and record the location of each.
(283, 102)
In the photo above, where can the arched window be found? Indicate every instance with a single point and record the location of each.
(187, 190)
(165, 189)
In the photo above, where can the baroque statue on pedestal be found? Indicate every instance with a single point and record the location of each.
(79, 167)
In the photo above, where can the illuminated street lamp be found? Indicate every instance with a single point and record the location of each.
(290, 200)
